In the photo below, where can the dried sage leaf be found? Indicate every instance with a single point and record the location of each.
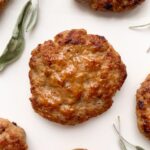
(16, 44)
(34, 16)
(122, 140)
(139, 148)
(122, 145)
(140, 26)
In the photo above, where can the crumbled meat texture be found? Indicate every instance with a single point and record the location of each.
(143, 107)
(12, 137)
(112, 5)
(74, 77)
(2, 4)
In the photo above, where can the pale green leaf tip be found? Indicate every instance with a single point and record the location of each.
(140, 26)
(139, 148)
(1, 68)
(34, 15)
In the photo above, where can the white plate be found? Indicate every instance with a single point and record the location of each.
(97, 133)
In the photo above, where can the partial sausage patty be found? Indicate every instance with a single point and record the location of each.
(12, 137)
(112, 5)
(79, 149)
(2, 3)
(74, 77)
(143, 107)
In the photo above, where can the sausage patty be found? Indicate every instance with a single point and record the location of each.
(74, 77)
(112, 5)
(143, 107)
(12, 137)
(2, 3)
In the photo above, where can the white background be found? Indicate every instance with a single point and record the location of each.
(56, 16)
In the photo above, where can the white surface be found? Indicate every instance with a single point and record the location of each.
(97, 133)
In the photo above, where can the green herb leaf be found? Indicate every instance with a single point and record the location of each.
(140, 26)
(34, 16)
(16, 44)
(122, 139)
(122, 145)
(139, 148)
(12, 52)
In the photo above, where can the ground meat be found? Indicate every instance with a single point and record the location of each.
(143, 107)
(112, 5)
(74, 77)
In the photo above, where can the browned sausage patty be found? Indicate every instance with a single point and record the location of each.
(79, 149)
(12, 137)
(2, 3)
(143, 107)
(74, 77)
(112, 5)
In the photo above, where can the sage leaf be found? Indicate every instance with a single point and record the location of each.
(140, 26)
(122, 145)
(123, 140)
(12, 52)
(139, 148)
(34, 16)
(16, 44)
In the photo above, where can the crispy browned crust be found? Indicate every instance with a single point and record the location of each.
(12, 137)
(143, 107)
(79, 149)
(74, 77)
(112, 5)
(2, 4)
